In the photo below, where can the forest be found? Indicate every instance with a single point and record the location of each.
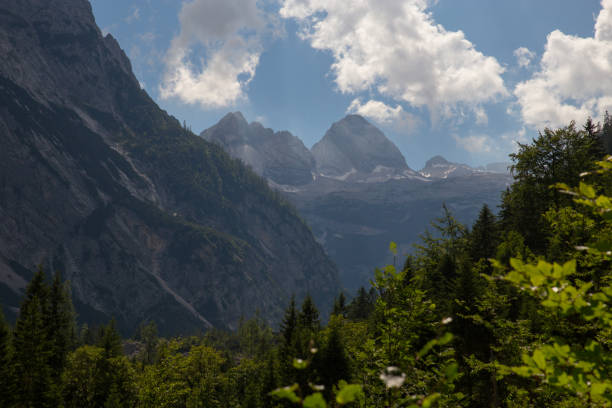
(512, 311)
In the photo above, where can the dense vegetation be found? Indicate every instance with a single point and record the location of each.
(473, 318)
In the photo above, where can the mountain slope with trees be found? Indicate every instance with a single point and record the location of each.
(144, 218)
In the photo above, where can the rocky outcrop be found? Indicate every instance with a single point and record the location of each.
(439, 168)
(145, 219)
(278, 156)
(355, 150)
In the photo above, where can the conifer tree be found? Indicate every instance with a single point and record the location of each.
(334, 361)
(361, 306)
(59, 320)
(5, 363)
(32, 372)
(110, 340)
(484, 237)
(288, 348)
(606, 133)
(309, 315)
(340, 305)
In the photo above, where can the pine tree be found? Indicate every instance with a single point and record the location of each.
(606, 133)
(31, 348)
(110, 340)
(5, 363)
(484, 237)
(288, 348)
(309, 316)
(340, 305)
(333, 360)
(361, 306)
(59, 320)
(289, 324)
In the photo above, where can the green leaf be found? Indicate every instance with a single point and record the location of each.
(348, 393)
(586, 190)
(299, 364)
(393, 248)
(315, 401)
(451, 371)
(427, 402)
(287, 393)
(539, 359)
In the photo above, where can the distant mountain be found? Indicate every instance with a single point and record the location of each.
(277, 156)
(363, 194)
(439, 168)
(145, 219)
(353, 149)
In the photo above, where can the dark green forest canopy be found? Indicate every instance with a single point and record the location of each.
(475, 317)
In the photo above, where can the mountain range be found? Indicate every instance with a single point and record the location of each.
(355, 190)
(146, 220)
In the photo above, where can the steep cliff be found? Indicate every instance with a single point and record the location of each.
(145, 219)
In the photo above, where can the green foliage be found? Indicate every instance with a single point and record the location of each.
(578, 368)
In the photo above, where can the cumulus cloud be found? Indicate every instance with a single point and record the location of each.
(396, 48)
(383, 114)
(574, 79)
(474, 143)
(376, 110)
(524, 56)
(230, 34)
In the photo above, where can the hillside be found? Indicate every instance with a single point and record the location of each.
(145, 219)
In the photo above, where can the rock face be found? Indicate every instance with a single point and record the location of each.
(353, 149)
(277, 156)
(439, 168)
(145, 219)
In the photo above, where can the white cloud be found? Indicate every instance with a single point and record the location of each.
(474, 143)
(397, 118)
(396, 48)
(230, 32)
(574, 80)
(376, 110)
(524, 56)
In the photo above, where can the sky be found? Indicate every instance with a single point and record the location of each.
(464, 79)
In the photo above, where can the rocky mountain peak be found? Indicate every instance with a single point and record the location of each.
(231, 130)
(437, 161)
(354, 148)
(279, 156)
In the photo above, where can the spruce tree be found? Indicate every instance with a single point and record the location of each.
(484, 237)
(309, 315)
(361, 306)
(110, 340)
(606, 133)
(333, 360)
(59, 319)
(32, 372)
(5, 363)
(289, 337)
(340, 305)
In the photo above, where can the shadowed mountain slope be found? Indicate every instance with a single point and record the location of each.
(145, 219)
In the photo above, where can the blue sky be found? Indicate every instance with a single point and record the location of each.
(465, 79)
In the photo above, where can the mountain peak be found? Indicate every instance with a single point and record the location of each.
(353, 145)
(436, 160)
